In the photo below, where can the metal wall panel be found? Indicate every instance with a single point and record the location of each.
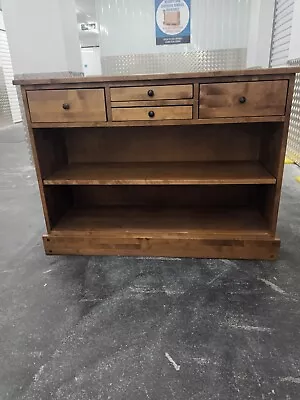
(5, 114)
(9, 76)
(293, 145)
(282, 29)
(128, 26)
(174, 62)
(219, 37)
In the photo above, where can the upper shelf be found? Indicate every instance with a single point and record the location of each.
(172, 173)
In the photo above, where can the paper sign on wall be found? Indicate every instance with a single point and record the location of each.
(172, 20)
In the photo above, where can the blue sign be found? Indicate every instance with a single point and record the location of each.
(173, 21)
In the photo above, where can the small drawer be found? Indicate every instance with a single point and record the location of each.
(151, 113)
(82, 105)
(168, 92)
(243, 99)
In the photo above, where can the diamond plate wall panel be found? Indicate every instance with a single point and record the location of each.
(282, 30)
(5, 114)
(293, 145)
(8, 76)
(197, 61)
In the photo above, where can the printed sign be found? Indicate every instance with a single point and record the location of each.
(172, 19)
(88, 26)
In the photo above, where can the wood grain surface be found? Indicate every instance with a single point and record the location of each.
(206, 173)
(152, 103)
(165, 196)
(202, 121)
(85, 105)
(233, 74)
(261, 99)
(160, 113)
(209, 247)
(110, 174)
(160, 222)
(164, 92)
(235, 142)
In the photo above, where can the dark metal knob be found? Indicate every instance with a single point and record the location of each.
(242, 100)
(151, 114)
(150, 93)
(66, 106)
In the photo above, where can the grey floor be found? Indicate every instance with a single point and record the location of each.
(86, 328)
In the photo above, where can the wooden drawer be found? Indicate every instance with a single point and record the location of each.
(168, 92)
(74, 105)
(243, 99)
(151, 113)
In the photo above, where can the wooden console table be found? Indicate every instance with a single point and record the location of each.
(164, 165)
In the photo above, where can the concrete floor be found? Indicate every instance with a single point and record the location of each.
(85, 328)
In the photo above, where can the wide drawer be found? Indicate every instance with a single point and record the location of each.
(151, 113)
(168, 92)
(74, 105)
(243, 99)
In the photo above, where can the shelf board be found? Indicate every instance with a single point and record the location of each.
(201, 121)
(145, 222)
(162, 173)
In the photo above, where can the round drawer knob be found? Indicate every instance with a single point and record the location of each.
(66, 106)
(150, 93)
(151, 114)
(242, 100)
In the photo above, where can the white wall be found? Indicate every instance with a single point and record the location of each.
(294, 51)
(26, 43)
(89, 38)
(91, 63)
(260, 33)
(71, 34)
(38, 36)
(265, 32)
(128, 27)
(253, 33)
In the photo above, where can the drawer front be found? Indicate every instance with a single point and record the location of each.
(152, 113)
(168, 92)
(74, 105)
(243, 99)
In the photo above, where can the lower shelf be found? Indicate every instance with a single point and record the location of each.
(176, 222)
(181, 232)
